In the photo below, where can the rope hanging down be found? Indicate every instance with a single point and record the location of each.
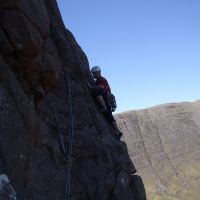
(60, 131)
(71, 133)
(84, 85)
(71, 130)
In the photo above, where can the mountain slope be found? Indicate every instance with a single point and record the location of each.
(164, 144)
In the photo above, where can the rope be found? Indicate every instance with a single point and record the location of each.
(77, 79)
(71, 133)
(84, 85)
(60, 139)
(71, 130)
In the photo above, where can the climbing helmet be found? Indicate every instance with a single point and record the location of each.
(95, 69)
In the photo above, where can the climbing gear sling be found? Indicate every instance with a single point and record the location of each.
(112, 101)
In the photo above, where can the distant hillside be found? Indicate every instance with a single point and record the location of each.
(164, 144)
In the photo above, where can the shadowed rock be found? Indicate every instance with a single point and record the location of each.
(6, 190)
(36, 53)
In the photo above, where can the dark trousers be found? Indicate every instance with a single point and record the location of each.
(108, 114)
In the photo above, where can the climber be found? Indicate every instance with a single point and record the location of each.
(100, 92)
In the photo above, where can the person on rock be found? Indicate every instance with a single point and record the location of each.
(100, 91)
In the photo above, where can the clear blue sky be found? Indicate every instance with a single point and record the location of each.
(149, 50)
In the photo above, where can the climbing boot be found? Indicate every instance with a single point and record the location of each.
(118, 135)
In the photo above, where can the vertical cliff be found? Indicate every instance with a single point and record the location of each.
(43, 72)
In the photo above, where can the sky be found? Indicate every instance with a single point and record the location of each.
(148, 50)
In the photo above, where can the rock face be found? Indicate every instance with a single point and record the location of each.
(164, 144)
(43, 102)
(6, 190)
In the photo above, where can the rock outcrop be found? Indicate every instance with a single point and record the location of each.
(6, 190)
(43, 73)
(164, 144)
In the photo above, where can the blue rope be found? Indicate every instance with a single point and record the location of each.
(71, 133)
